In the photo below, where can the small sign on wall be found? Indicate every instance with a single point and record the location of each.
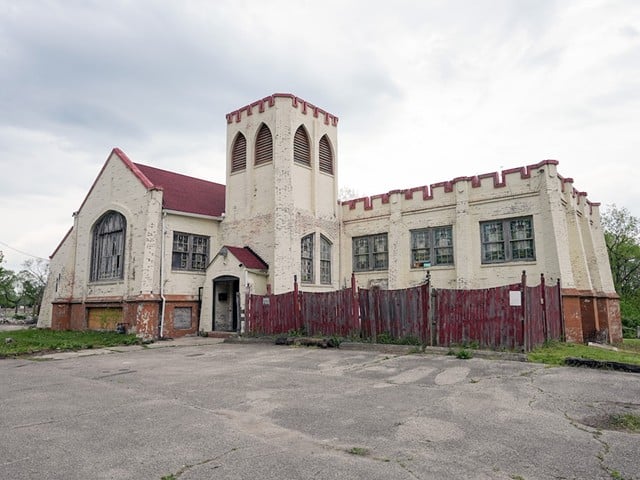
(515, 298)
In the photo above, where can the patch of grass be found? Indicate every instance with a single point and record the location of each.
(630, 344)
(28, 341)
(387, 338)
(358, 451)
(555, 353)
(626, 421)
(464, 354)
(169, 477)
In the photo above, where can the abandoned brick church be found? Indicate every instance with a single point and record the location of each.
(170, 255)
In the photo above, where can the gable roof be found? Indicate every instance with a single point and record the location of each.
(180, 192)
(184, 193)
(248, 257)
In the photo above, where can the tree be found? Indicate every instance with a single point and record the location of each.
(347, 193)
(622, 237)
(8, 296)
(33, 279)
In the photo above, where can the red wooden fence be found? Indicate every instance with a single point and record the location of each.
(508, 317)
(329, 313)
(482, 316)
(400, 314)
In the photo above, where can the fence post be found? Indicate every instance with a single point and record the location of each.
(375, 293)
(355, 318)
(562, 334)
(425, 295)
(543, 299)
(433, 317)
(248, 327)
(296, 305)
(523, 301)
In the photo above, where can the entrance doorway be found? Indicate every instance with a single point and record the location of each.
(226, 303)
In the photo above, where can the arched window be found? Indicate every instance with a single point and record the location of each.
(326, 155)
(107, 256)
(301, 149)
(239, 153)
(306, 259)
(325, 260)
(264, 146)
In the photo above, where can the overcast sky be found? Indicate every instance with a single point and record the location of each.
(426, 91)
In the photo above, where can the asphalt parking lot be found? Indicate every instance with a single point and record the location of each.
(203, 410)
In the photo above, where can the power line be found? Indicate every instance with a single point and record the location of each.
(23, 253)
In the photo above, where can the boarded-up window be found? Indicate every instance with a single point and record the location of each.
(326, 155)
(264, 146)
(301, 149)
(104, 318)
(182, 318)
(239, 154)
(107, 255)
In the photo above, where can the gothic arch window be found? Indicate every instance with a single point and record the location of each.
(264, 146)
(239, 153)
(107, 253)
(326, 155)
(306, 258)
(325, 260)
(301, 148)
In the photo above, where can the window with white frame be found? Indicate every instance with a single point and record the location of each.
(325, 260)
(508, 240)
(370, 253)
(190, 252)
(432, 246)
(306, 258)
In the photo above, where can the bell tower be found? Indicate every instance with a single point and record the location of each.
(282, 190)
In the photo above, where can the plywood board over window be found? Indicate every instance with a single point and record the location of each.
(104, 318)
(182, 318)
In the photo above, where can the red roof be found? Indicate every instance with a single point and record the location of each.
(248, 257)
(186, 194)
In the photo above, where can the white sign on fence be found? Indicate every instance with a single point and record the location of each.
(515, 298)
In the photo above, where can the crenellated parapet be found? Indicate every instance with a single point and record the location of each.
(268, 102)
(580, 198)
(513, 178)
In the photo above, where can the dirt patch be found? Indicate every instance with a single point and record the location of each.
(621, 417)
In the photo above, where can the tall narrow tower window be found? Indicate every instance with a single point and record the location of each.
(239, 154)
(301, 150)
(264, 146)
(326, 156)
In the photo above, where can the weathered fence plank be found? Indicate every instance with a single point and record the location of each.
(486, 317)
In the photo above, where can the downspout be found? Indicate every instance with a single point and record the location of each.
(164, 300)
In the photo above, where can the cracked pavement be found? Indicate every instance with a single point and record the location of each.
(229, 411)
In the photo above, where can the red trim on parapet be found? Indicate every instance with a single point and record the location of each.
(499, 181)
(123, 157)
(270, 101)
